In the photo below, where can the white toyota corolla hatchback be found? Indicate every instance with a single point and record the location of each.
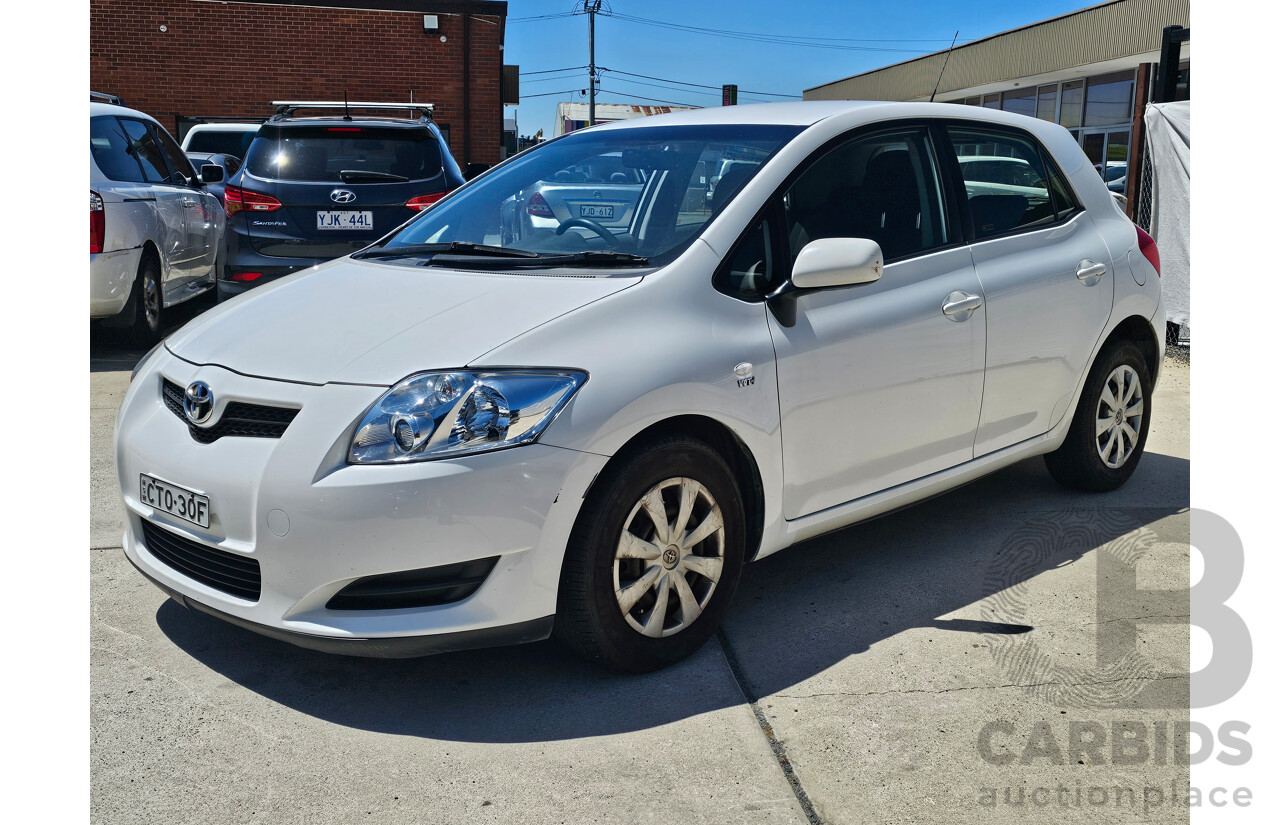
(464, 436)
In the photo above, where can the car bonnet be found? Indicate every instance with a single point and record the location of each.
(362, 322)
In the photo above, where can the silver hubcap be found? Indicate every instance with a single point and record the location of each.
(1119, 416)
(150, 299)
(669, 558)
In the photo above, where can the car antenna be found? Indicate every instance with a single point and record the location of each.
(944, 65)
(346, 108)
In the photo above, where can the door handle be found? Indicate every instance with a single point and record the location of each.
(960, 305)
(1090, 272)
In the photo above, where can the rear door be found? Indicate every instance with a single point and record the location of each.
(170, 198)
(1047, 276)
(340, 187)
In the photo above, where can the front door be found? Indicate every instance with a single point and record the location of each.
(878, 385)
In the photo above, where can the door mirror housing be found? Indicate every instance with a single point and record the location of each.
(832, 262)
(211, 173)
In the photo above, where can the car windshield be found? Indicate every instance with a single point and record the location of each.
(325, 153)
(643, 191)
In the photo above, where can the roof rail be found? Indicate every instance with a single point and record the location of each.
(286, 108)
(103, 97)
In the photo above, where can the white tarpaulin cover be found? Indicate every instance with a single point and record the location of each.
(1169, 142)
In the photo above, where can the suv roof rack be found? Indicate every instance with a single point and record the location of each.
(103, 97)
(286, 108)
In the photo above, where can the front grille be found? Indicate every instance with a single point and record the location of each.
(229, 572)
(238, 419)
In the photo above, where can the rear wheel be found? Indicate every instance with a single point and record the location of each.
(654, 558)
(1109, 431)
(148, 315)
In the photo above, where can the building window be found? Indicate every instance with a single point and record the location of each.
(1020, 102)
(991, 101)
(1109, 99)
(1072, 104)
(1047, 103)
(973, 101)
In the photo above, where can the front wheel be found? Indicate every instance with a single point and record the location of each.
(1109, 430)
(654, 558)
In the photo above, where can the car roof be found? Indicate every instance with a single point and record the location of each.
(809, 112)
(97, 109)
(224, 127)
(338, 120)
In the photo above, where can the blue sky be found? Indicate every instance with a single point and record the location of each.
(908, 28)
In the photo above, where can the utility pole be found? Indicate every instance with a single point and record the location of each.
(591, 7)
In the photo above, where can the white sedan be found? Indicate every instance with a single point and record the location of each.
(447, 441)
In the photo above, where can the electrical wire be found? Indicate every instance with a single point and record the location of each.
(781, 40)
(548, 94)
(552, 71)
(652, 99)
(696, 85)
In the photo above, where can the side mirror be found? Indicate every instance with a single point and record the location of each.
(211, 173)
(831, 262)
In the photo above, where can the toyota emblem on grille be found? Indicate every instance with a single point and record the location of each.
(197, 402)
(342, 196)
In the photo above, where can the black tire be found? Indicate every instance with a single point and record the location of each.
(148, 303)
(589, 618)
(1078, 463)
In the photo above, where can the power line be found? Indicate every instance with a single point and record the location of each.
(548, 94)
(539, 17)
(781, 40)
(652, 99)
(697, 85)
(552, 71)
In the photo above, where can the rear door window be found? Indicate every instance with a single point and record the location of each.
(111, 150)
(144, 147)
(1005, 181)
(344, 154)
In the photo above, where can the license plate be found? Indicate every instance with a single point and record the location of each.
(344, 220)
(592, 211)
(174, 500)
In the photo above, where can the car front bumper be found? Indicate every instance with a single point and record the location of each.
(314, 524)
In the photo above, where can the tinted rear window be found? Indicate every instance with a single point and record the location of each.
(221, 143)
(110, 147)
(323, 153)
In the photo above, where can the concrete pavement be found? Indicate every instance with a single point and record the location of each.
(903, 670)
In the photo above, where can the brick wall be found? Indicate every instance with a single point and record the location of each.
(229, 59)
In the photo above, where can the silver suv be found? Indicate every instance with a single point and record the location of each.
(155, 230)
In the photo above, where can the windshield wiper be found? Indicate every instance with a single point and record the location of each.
(354, 175)
(600, 258)
(456, 248)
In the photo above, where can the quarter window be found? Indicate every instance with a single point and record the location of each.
(179, 164)
(1004, 181)
(883, 187)
(748, 273)
(111, 150)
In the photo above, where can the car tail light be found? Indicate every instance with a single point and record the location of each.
(97, 222)
(246, 276)
(1147, 246)
(422, 202)
(236, 199)
(538, 207)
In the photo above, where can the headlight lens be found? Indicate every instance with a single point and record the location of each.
(444, 414)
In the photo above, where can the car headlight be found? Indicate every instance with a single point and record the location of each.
(445, 414)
